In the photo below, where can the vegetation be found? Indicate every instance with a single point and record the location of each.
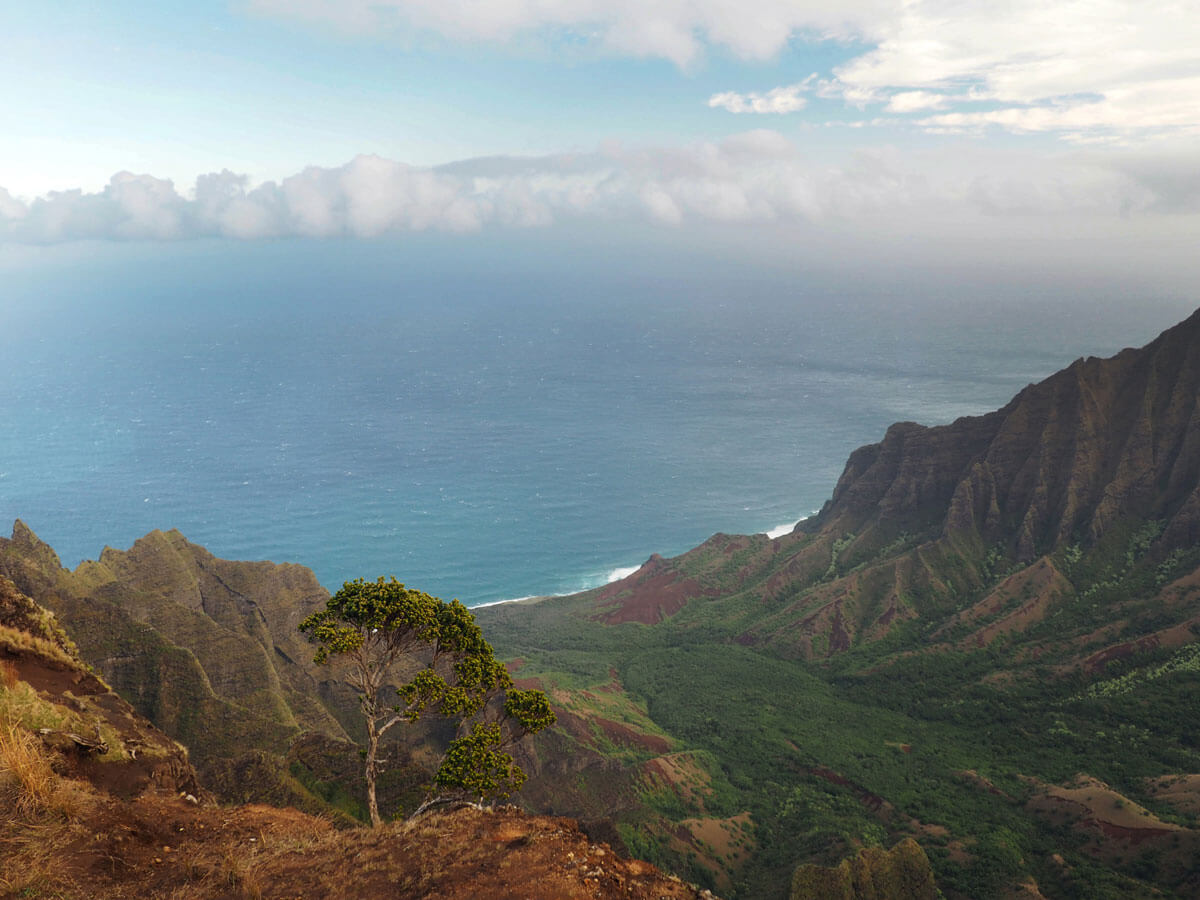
(912, 735)
(376, 630)
(903, 873)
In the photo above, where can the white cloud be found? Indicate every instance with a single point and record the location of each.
(10, 207)
(755, 178)
(785, 99)
(912, 101)
(1080, 68)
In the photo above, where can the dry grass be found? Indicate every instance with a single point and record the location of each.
(28, 865)
(39, 813)
(27, 780)
(25, 642)
(243, 864)
(22, 704)
(8, 674)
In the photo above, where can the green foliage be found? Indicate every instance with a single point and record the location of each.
(374, 628)
(902, 732)
(476, 766)
(530, 709)
(1187, 659)
(835, 551)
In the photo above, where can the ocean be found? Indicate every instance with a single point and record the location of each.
(486, 419)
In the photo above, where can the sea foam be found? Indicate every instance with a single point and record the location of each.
(498, 602)
(619, 573)
(584, 585)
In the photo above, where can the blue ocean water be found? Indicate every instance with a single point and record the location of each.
(484, 421)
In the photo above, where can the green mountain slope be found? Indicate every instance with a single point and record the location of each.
(983, 614)
(208, 650)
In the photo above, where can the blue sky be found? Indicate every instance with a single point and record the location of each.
(862, 119)
(180, 89)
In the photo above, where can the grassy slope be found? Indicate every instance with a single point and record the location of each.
(881, 742)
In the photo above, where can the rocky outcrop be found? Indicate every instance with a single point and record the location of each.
(1107, 450)
(902, 873)
(1099, 442)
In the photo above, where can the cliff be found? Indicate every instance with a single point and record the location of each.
(97, 803)
(902, 873)
(1097, 462)
(1068, 458)
(208, 649)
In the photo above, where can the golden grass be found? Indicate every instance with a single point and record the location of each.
(27, 780)
(24, 641)
(22, 704)
(28, 865)
(39, 813)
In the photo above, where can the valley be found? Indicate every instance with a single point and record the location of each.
(985, 642)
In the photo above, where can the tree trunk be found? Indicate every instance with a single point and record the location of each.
(372, 751)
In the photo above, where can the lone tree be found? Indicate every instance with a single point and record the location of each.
(378, 629)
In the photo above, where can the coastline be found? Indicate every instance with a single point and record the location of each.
(625, 571)
(527, 600)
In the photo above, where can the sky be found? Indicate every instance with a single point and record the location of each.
(1035, 128)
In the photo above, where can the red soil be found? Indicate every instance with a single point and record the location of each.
(649, 595)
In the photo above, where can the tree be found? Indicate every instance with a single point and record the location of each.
(376, 629)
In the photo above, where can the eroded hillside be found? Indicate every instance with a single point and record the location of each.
(97, 803)
(983, 614)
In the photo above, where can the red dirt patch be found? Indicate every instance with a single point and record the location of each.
(683, 774)
(1097, 661)
(1034, 589)
(1181, 791)
(978, 780)
(721, 845)
(161, 847)
(1111, 820)
(649, 595)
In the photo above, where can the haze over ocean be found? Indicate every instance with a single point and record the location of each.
(486, 419)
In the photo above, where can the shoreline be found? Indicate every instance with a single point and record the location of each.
(620, 572)
(536, 598)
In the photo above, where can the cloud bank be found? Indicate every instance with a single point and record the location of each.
(757, 178)
(754, 178)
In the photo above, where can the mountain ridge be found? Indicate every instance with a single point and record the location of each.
(1064, 462)
(1013, 567)
(119, 813)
